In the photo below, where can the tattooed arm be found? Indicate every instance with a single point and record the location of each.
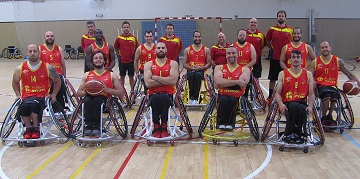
(54, 76)
(347, 72)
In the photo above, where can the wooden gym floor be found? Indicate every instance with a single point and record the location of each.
(196, 158)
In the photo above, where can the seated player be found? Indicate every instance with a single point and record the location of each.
(35, 77)
(160, 77)
(294, 86)
(325, 70)
(92, 103)
(231, 80)
(196, 61)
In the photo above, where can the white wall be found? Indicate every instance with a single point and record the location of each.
(51, 10)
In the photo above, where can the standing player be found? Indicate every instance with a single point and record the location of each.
(101, 45)
(276, 37)
(246, 51)
(257, 39)
(218, 51)
(297, 44)
(173, 43)
(54, 55)
(125, 45)
(196, 61)
(144, 53)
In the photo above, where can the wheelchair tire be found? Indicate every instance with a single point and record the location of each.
(346, 109)
(9, 55)
(318, 128)
(183, 115)
(209, 85)
(118, 117)
(10, 120)
(125, 99)
(183, 90)
(207, 116)
(135, 93)
(4, 53)
(59, 118)
(66, 55)
(249, 113)
(72, 54)
(17, 53)
(70, 90)
(270, 118)
(137, 119)
(76, 119)
(259, 94)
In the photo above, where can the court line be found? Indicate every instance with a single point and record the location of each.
(49, 160)
(87, 161)
(2, 174)
(119, 172)
(166, 164)
(263, 165)
(351, 139)
(206, 161)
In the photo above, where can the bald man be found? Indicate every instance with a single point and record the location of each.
(218, 51)
(257, 39)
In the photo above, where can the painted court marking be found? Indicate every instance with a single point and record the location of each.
(264, 164)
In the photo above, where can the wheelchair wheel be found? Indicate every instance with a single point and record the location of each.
(183, 114)
(76, 119)
(183, 90)
(317, 128)
(270, 118)
(125, 101)
(10, 120)
(249, 113)
(138, 116)
(59, 117)
(66, 54)
(74, 99)
(17, 53)
(259, 96)
(136, 92)
(207, 116)
(72, 53)
(118, 117)
(346, 109)
(4, 53)
(209, 85)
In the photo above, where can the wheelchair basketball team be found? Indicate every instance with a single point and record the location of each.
(298, 84)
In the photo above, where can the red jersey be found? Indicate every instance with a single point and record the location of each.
(279, 37)
(51, 56)
(173, 46)
(218, 54)
(164, 71)
(302, 48)
(126, 46)
(244, 53)
(232, 75)
(326, 74)
(146, 55)
(87, 40)
(295, 88)
(196, 57)
(34, 83)
(105, 49)
(105, 78)
(257, 39)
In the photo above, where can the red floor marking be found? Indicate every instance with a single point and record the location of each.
(126, 160)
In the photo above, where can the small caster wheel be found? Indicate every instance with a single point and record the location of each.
(98, 144)
(236, 143)
(341, 130)
(149, 143)
(306, 150)
(172, 143)
(80, 144)
(214, 141)
(281, 148)
(42, 142)
(21, 144)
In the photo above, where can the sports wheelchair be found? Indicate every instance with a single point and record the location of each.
(71, 98)
(208, 125)
(204, 95)
(175, 123)
(13, 127)
(70, 52)
(112, 114)
(255, 95)
(11, 51)
(343, 112)
(136, 93)
(313, 131)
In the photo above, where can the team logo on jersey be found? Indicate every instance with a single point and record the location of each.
(43, 52)
(320, 65)
(288, 79)
(191, 52)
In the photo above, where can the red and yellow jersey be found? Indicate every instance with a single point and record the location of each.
(257, 39)
(279, 37)
(146, 54)
(295, 87)
(87, 40)
(164, 71)
(196, 57)
(218, 54)
(126, 46)
(244, 53)
(173, 46)
(304, 52)
(34, 83)
(232, 75)
(104, 49)
(105, 78)
(326, 74)
(51, 56)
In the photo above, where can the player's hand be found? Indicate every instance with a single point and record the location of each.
(309, 110)
(53, 98)
(282, 108)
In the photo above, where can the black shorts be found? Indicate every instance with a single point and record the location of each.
(257, 68)
(32, 105)
(328, 92)
(274, 70)
(129, 67)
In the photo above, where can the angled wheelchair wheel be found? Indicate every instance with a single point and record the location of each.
(207, 116)
(118, 117)
(209, 85)
(183, 114)
(249, 113)
(346, 109)
(72, 54)
(259, 96)
(76, 119)
(5, 53)
(10, 120)
(134, 94)
(318, 137)
(67, 55)
(59, 118)
(70, 91)
(183, 90)
(270, 118)
(124, 100)
(17, 53)
(138, 116)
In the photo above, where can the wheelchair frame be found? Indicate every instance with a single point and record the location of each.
(11, 51)
(138, 85)
(256, 96)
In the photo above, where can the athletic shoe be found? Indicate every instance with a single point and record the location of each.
(229, 127)
(195, 101)
(95, 133)
(87, 132)
(164, 132)
(157, 131)
(27, 134)
(35, 134)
